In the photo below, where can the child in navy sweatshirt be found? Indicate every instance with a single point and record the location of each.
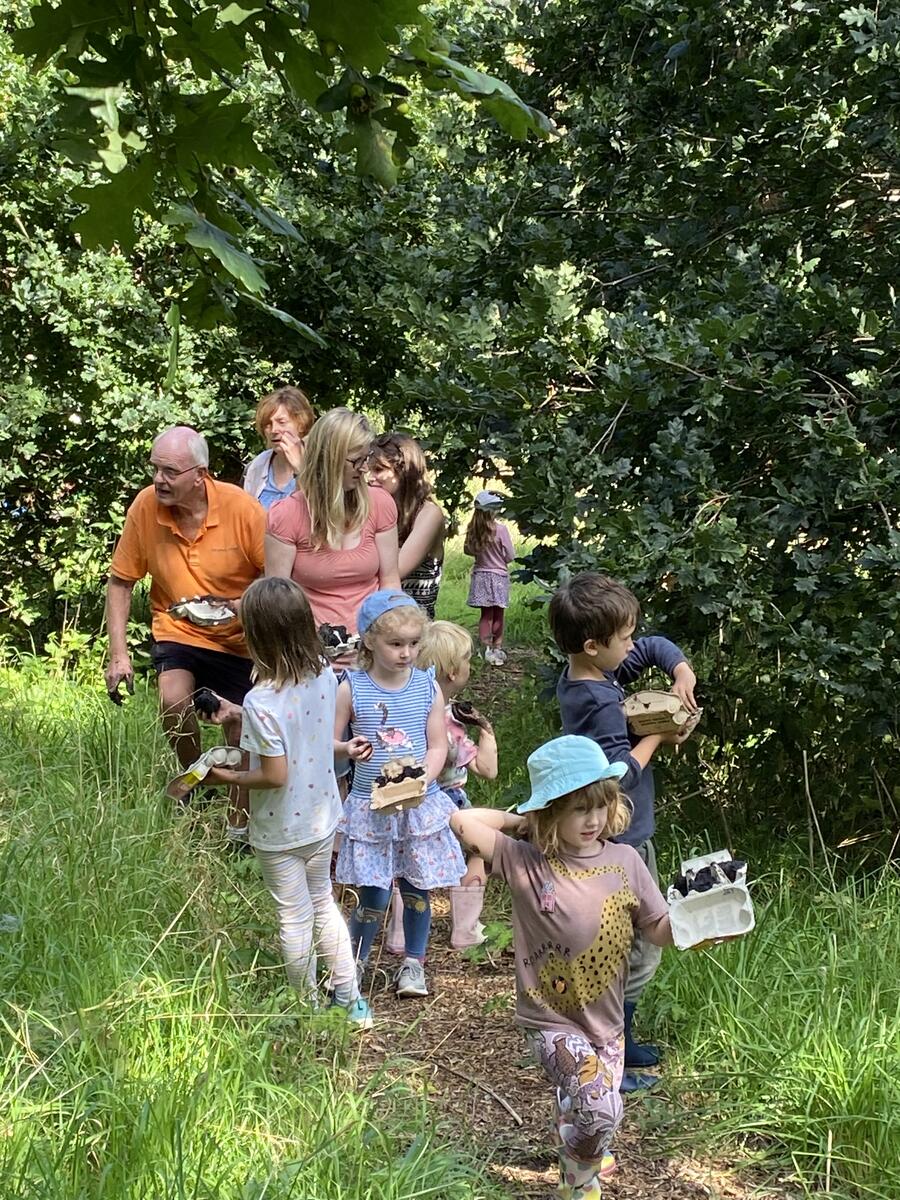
(593, 620)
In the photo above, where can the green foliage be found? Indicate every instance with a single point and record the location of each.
(673, 329)
(682, 349)
(150, 124)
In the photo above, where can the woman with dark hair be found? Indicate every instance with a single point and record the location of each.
(283, 419)
(397, 464)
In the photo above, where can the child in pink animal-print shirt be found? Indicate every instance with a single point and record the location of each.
(577, 900)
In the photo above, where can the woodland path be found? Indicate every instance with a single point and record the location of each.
(461, 1049)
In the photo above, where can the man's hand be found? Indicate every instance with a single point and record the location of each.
(684, 682)
(119, 670)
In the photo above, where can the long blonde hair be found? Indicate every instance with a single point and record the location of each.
(543, 823)
(332, 511)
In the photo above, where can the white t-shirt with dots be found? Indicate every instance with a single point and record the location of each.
(298, 722)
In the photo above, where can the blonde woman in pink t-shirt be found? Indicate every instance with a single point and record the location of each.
(333, 536)
(577, 898)
(490, 544)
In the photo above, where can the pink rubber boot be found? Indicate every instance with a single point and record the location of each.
(466, 904)
(395, 939)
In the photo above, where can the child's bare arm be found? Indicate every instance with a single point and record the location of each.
(342, 713)
(271, 773)
(644, 750)
(476, 872)
(436, 737)
(485, 764)
(477, 828)
(659, 932)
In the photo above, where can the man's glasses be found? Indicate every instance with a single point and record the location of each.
(169, 474)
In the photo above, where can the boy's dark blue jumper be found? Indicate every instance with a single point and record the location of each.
(593, 708)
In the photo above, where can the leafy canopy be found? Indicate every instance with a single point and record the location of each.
(154, 112)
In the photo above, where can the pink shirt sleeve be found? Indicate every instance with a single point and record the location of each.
(506, 542)
(651, 902)
(384, 510)
(288, 519)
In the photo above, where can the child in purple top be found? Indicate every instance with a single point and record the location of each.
(490, 544)
(577, 899)
(593, 620)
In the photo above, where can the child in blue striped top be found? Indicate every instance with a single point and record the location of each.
(393, 708)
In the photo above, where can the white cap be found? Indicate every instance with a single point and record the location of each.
(488, 501)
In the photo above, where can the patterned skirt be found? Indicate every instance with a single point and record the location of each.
(417, 844)
(489, 589)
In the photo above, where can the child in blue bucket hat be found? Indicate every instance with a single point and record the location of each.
(577, 899)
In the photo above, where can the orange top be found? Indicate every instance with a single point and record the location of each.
(223, 560)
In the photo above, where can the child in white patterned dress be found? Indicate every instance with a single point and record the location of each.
(392, 706)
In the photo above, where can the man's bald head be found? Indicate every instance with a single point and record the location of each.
(183, 444)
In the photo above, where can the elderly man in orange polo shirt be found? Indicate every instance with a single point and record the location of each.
(193, 536)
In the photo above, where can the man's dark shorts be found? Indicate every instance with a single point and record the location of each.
(227, 674)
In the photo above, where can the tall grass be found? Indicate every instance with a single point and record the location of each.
(787, 1043)
(148, 1045)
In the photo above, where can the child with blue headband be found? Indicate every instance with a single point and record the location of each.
(577, 900)
(390, 705)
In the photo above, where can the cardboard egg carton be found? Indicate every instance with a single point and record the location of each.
(658, 712)
(400, 785)
(337, 642)
(219, 756)
(719, 914)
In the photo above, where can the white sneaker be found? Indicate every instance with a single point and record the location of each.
(499, 657)
(489, 653)
(411, 979)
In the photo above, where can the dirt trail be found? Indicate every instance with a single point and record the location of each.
(461, 1046)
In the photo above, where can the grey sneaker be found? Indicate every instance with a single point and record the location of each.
(411, 979)
(499, 657)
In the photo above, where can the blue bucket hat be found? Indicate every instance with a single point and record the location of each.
(378, 604)
(563, 765)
